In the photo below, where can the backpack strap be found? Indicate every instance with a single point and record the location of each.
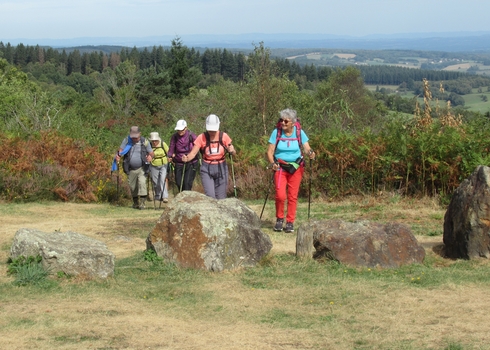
(219, 142)
(279, 137)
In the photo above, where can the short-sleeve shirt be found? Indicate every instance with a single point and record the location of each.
(288, 147)
(215, 153)
(134, 153)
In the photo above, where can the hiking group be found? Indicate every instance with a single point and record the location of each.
(207, 151)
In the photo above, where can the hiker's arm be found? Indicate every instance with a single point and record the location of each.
(308, 150)
(270, 157)
(191, 155)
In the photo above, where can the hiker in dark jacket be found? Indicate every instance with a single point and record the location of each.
(181, 143)
(214, 145)
(137, 153)
(286, 159)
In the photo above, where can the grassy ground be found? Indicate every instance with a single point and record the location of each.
(285, 303)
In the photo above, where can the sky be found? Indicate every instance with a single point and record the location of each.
(65, 19)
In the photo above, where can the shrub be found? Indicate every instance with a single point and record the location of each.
(27, 270)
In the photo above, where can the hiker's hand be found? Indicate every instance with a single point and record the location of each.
(169, 159)
(273, 166)
(185, 159)
(148, 158)
(118, 157)
(231, 149)
(311, 154)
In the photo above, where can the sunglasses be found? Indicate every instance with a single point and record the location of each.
(285, 121)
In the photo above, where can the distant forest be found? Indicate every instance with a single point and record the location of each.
(46, 63)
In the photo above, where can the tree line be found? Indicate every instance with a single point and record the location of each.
(222, 62)
(58, 127)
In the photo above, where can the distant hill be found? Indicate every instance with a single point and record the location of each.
(449, 42)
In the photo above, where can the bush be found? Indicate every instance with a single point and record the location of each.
(51, 166)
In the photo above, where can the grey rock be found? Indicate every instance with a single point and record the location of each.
(467, 219)
(363, 243)
(68, 252)
(200, 232)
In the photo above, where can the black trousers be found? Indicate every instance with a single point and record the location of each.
(188, 170)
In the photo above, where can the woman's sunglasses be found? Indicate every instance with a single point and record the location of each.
(285, 121)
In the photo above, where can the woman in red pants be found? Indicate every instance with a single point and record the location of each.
(286, 159)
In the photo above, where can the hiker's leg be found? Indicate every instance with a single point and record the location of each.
(207, 179)
(294, 182)
(179, 168)
(133, 183)
(190, 175)
(163, 179)
(154, 172)
(221, 181)
(280, 182)
(142, 189)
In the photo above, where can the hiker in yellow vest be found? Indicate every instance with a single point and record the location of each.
(158, 167)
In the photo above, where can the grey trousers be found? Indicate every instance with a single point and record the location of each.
(214, 178)
(158, 176)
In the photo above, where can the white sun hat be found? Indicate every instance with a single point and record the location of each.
(181, 125)
(154, 136)
(212, 123)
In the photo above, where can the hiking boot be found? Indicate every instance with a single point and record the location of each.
(279, 224)
(289, 227)
(165, 200)
(142, 203)
(136, 204)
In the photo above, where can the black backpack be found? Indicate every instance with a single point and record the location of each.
(144, 153)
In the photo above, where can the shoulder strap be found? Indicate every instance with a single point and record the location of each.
(298, 134)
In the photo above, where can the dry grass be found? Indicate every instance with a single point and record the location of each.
(263, 308)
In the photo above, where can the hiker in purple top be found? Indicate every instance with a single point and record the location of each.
(181, 144)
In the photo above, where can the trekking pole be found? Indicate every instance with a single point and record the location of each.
(182, 178)
(164, 185)
(148, 183)
(117, 184)
(233, 174)
(309, 193)
(153, 191)
(267, 195)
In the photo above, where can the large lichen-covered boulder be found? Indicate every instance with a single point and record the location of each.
(200, 232)
(68, 252)
(364, 243)
(467, 219)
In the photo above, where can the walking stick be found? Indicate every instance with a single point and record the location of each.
(309, 193)
(164, 185)
(117, 184)
(233, 174)
(148, 183)
(182, 178)
(153, 187)
(267, 195)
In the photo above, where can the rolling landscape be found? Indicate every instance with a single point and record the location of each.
(397, 123)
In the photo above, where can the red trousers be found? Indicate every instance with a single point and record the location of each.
(287, 187)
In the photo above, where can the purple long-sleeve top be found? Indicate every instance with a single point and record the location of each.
(181, 145)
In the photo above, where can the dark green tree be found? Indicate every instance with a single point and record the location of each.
(182, 75)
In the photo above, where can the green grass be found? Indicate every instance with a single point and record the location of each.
(323, 301)
(474, 102)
